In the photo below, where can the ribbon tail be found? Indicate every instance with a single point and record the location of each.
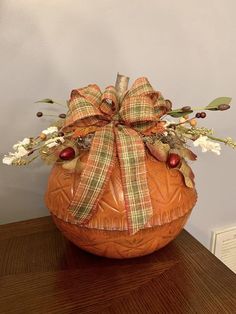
(131, 153)
(95, 175)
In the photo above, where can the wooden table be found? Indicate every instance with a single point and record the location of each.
(42, 272)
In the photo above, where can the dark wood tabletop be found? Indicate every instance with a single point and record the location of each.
(42, 272)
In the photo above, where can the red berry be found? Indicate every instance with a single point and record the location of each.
(203, 115)
(173, 160)
(39, 114)
(198, 115)
(62, 115)
(186, 108)
(223, 107)
(67, 154)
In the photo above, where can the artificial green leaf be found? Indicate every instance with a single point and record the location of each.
(159, 150)
(187, 174)
(218, 101)
(187, 153)
(189, 183)
(46, 100)
(178, 113)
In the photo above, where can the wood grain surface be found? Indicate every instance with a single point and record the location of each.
(42, 272)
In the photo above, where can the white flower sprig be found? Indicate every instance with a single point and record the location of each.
(51, 130)
(23, 143)
(55, 141)
(207, 145)
(48, 138)
(13, 157)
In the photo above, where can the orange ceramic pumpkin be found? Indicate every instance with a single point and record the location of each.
(107, 233)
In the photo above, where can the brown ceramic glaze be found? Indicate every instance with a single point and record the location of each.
(106, 234)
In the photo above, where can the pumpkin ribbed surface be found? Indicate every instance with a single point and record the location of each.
(106, 233)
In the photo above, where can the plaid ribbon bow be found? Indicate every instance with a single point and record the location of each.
(118, 135)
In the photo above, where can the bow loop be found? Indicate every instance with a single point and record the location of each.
(138, 106)
(84, 108)
(109, 103)
(137, 109)
(142, 87)
(91, 92)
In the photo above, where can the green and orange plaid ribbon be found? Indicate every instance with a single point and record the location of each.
(118, 134)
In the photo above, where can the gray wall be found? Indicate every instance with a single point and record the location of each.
(186, 48)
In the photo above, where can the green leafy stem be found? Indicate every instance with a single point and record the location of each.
(220, 103)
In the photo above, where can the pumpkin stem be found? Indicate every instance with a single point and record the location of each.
(121, 86)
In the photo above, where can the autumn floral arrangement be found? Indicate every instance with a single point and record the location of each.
(166, 132)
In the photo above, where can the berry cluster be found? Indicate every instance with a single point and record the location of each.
(200, 115)
(39, 114)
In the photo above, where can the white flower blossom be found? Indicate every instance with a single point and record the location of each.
(21, 152)
(207, 145)
(26, 141)
(8, 160)
(50, 130)
(54, 141)
(166, 126)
